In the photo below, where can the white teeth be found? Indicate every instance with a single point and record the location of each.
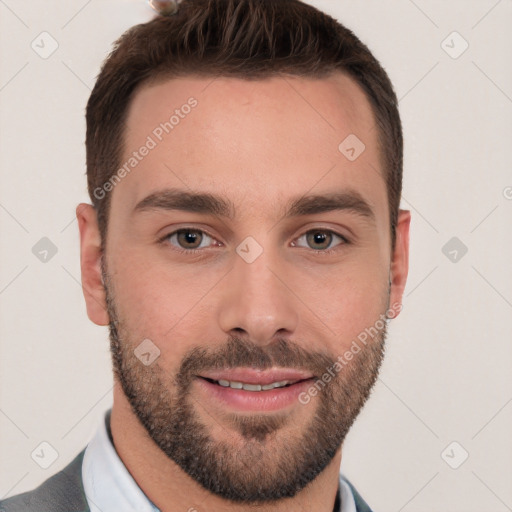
(252, 387)
(273, 385)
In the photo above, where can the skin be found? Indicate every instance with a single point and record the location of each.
(258, 144)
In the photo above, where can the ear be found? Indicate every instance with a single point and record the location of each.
(90, 264)
(400, 260)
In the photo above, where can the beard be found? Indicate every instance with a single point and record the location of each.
(266, 458)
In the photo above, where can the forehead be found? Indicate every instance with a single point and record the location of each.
(255, 141)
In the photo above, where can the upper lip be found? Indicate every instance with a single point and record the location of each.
(255, 376)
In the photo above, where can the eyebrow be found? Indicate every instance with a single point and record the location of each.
(196, 202)
(211, 204)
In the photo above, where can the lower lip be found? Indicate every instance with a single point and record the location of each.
(255, 401)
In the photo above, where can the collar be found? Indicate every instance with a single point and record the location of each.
(108, 484)
(109, 487)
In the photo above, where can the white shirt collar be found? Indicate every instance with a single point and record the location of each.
(109, 487)
(348, 503)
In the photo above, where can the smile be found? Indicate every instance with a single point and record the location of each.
(251, 390)
(252, 387)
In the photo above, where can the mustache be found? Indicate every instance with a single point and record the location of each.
(239, 352)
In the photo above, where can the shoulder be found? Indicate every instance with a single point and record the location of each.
(63, 492)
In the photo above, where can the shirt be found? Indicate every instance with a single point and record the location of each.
(109, 486)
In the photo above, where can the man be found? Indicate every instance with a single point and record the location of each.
(246, 248)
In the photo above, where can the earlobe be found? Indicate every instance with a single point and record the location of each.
(400, 259)
(90, 264)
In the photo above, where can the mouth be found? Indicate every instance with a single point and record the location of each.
(252, 387)
(248, 389)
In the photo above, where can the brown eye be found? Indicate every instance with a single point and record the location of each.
(187, 238)
(321, 239)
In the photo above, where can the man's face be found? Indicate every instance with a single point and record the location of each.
(256, 294)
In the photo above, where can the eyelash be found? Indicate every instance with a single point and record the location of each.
(344, 240)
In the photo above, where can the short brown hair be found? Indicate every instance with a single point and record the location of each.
(246, 39)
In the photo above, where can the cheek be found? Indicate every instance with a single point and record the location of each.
(350, 299)
(162, 302)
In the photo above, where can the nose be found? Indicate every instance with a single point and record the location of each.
(258, 302)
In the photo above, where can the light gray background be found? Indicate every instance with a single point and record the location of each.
(447, 376)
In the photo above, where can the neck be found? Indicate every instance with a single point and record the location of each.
(171, 489)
